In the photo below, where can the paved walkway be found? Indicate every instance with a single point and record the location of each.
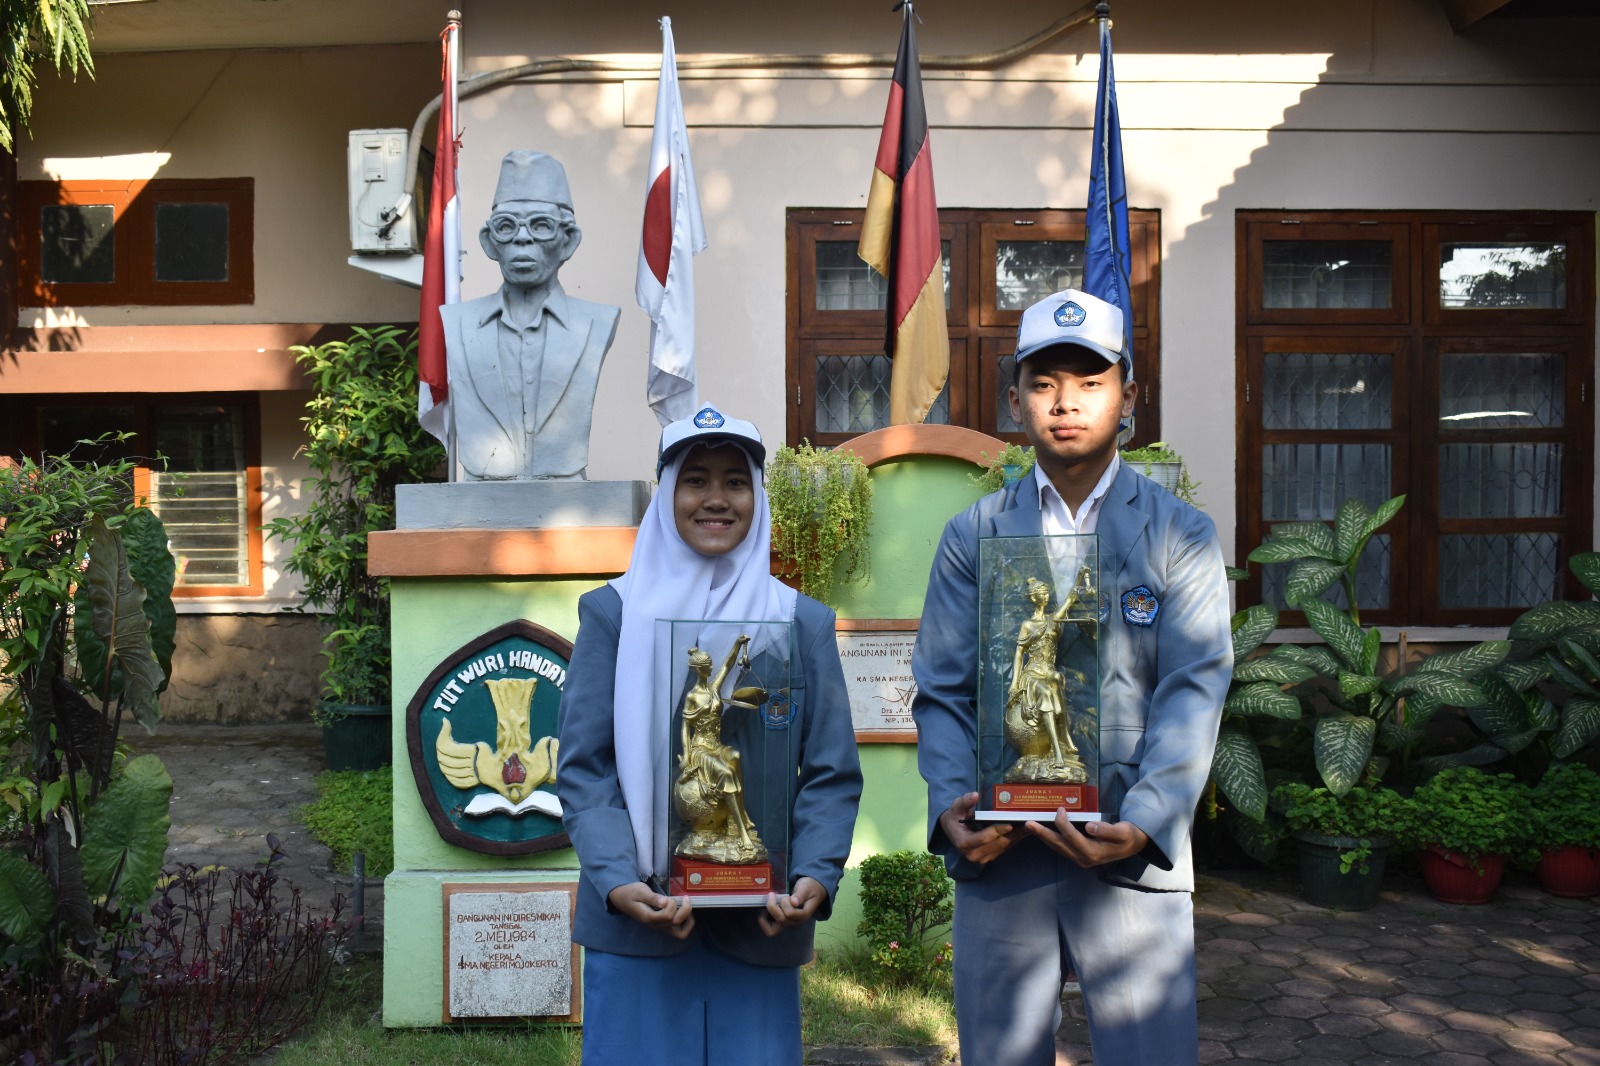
(1516, 983)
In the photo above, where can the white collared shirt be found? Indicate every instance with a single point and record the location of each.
(1053, 512)
(1055, 520)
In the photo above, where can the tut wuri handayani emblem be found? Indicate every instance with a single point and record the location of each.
(481, 733)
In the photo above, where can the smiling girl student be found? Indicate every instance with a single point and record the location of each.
(662, 981)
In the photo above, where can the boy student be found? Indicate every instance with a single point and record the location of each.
(1110, 899)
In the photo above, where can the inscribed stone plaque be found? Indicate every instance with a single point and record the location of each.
(509, 951)
(877, 674)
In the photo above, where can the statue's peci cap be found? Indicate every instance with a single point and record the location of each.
(709, 426)
(534, 176)
(1072, 318)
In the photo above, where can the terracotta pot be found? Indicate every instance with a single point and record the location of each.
(1452, 877)
(1571, 871)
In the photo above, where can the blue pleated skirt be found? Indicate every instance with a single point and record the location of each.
(700, 1008)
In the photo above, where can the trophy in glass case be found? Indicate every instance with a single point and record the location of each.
(1039, 613)
(731, 772)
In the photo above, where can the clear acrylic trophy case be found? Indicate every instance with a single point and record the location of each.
(731, 769)
(1040, 608)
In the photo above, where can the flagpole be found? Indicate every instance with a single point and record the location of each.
(453, 27)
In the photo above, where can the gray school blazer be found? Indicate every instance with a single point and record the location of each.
(827, 791)
(1162, 685)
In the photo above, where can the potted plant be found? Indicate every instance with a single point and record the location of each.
(821, 502)
(1467, 823)
(362, 440)
(1566, 822)
(1012, 464)
(1343, 840)
(1158, 462)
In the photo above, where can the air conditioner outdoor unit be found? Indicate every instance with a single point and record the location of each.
(378, 181)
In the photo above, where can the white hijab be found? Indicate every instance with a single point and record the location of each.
(667, 579)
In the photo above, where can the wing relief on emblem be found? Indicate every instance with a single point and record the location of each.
(515, 767)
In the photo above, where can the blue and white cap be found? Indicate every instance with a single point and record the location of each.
(1072, 318)
(709, 426)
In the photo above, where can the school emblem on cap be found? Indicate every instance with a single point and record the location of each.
(709, 418)
(1070, 314)
(1140, 606)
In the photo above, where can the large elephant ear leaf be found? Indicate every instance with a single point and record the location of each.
(1348, 526)
(125, 833)
(1251, 626)
(1580, 723)
(151, 563)
(1342, 746)
(1236, 768)
(1585, 566)
(118, 622)
(26, 901)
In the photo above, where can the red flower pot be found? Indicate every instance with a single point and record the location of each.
(1452, 878)
(1571, 871)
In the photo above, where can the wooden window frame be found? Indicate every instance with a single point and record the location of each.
(979, 332)
(133, 204)
(18, 411)
(1418, 335)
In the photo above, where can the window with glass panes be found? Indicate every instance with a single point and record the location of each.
(996, 263)
(1446, 356)
(162, 241)
(194, 464)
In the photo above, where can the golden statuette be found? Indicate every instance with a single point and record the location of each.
(708, 794)
(1036, 703)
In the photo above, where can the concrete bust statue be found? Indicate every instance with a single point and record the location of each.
(525, 360)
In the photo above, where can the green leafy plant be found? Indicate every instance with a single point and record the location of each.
(1160, 453)
(1365, 815)
(354, 811)
(821, 503)
(362, 440)
(86, 635)
(1464, 810)
(1259, 689)
(1011, 463)
(35, 31)
(1362, 699)
(1566, 807)
(906, 906)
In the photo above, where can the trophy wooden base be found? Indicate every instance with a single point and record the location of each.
(713, 884)
(1034, 802)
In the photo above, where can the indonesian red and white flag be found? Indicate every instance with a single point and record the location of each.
(441, 257)
(674, 234)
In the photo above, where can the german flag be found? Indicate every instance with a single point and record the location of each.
(900, 240)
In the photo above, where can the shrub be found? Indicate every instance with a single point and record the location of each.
(354, 811)
(1465, 810)
(1363, 814)
(906, 906)
(1566, 807)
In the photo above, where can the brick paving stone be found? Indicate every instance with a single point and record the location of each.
(1413, 1003)
(1401, 1021)
(1365, 1005)
(1230, 945)
(1352, 1025)
(1517, 1057)
(1336, 942)
(1400, 1045)
(1230, 1009)
(1285, 1028)
(1294, 1007)
(1429, 986)
(1586, 1016)
(1583, 1056)
(1498, 968)
(1483, 1003)
(1471, 1021)
(1453, 1058)
(1437, 968)
(1314, 987)
(1543, 1001)
(1498, 986)
(1552, 984)
(1473, 1043)
(1334, 1046)
(1264, 1049)
(1253, 918)
(1534, 1040)
(1549, 1021)
(1215, 1051)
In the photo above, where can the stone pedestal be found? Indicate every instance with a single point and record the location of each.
(471, 558)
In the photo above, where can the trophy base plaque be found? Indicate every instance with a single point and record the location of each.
(1024, 801)
(711, 884)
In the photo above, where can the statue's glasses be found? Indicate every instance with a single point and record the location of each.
(504, 228)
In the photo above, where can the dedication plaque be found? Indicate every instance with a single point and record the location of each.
(729, 780)
(509, 951)
(1039, 614)
(877, 674)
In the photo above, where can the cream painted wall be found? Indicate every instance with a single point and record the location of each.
(1342, 105)
(278, 116)
(1345, 104)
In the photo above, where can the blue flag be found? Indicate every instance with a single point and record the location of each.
(1106, 249)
